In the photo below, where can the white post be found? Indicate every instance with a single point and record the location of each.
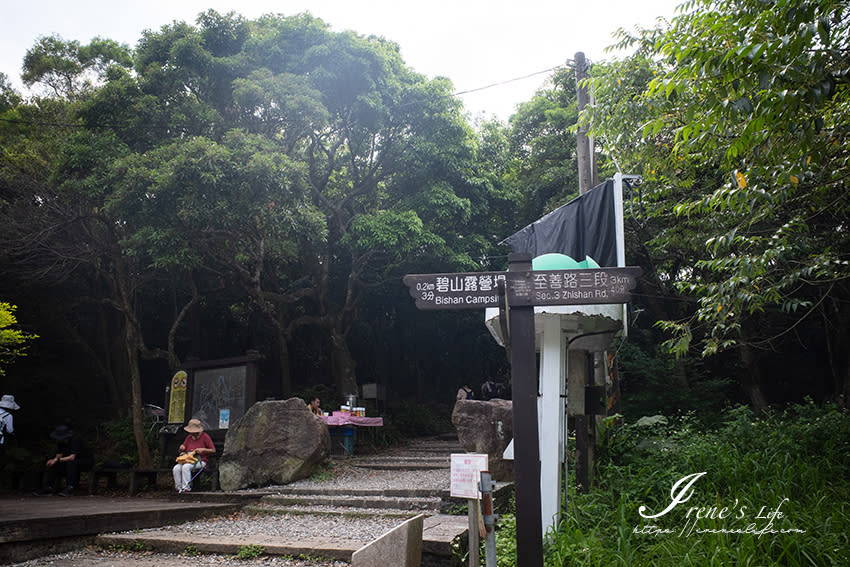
(551, 411)
(620, 227)
(619, 218)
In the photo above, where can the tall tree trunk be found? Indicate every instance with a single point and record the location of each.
(131, 348)
(132, 344)
(751, 378)
(342, 364)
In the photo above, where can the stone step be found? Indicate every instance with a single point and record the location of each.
(393, 461)
(404, 466)
(421, 453)
(318, 510)
(435, 446)
(440, 535)
(177, 542)
(396, 492)
(368, 501)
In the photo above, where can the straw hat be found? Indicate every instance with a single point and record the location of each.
(8, 402)
(194, 426)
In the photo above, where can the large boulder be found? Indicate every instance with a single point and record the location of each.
(486, 427)
(275, 442)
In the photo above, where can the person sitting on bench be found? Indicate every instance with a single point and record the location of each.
(197, 442)
(72, 456)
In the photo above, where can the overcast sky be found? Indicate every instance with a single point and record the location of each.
(475, 43)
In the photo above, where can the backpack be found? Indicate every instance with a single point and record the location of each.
(3, 427)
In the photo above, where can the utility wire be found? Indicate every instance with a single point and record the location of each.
(500, 83)
(569, 63)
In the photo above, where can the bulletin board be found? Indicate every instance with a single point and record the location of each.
(221, 391)
(219, 395)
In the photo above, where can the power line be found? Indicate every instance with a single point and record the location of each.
(568, 63)
(500, 83)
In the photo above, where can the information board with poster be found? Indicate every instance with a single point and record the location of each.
(221, 391)
(218, 389)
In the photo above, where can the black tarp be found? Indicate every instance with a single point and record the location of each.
(585, 226)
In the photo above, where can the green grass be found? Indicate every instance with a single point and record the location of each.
(250, 551)
(797, 460)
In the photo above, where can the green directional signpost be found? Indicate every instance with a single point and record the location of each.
(524, 289)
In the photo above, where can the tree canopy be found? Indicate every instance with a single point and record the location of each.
(735, 112)
(271, 167)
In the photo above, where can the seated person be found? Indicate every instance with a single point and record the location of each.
(314, 406)
(199, 442)
(72, 457)
(465, 393)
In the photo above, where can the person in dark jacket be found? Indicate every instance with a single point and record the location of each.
(72, 457)
(489, 390)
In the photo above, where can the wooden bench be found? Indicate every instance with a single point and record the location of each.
(136, 476)
(149, 476)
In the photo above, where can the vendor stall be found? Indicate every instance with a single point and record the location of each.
(342, 427)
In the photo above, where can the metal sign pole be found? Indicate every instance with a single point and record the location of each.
(489, 519)
(529, 526)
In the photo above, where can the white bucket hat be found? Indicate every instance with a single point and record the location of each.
(8, 402)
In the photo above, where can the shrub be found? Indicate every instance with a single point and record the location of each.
(120, 442)
(798, 460)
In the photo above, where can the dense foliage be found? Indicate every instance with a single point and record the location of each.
(795, 461)
(735, 114)
(12, 339)
(240, 185)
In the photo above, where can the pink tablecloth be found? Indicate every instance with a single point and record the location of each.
(353, 420)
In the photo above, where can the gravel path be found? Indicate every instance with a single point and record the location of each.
(286, 526)
(371, 525)
(340, 475)
(345, 475)
(93, 557)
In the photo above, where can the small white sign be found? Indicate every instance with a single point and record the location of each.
(466, 474)
(223, 418)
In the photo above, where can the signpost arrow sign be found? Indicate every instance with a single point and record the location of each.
(478, 290)
(524, 288)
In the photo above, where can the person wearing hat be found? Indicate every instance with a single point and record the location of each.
(72, 457)
(198, 442)
(7, 423)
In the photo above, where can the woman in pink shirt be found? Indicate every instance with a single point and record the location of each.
(201, 444)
